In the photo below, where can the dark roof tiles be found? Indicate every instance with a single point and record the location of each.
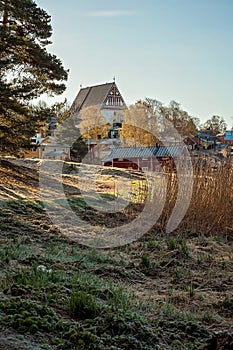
(92, 96)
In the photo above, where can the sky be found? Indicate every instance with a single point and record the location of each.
(178, 50)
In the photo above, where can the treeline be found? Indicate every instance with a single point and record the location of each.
(147, 121)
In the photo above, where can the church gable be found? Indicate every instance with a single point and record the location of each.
(105, 97)
(114, 98)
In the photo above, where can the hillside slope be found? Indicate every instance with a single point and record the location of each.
(162, 292)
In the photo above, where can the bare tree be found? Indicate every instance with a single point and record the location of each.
(140, 126)
(215, 125)
(93, 124)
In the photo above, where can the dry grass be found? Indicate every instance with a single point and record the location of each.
(209, 212)
(210, 209)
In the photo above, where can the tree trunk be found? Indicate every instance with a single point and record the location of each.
(5, 12)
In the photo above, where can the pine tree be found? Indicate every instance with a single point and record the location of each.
(27, 70)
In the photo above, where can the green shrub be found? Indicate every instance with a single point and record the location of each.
(83, 305)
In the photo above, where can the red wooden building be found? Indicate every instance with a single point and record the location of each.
(145, 158)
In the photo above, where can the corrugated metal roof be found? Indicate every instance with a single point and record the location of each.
(171, 151)
(132, 152)
(144, 152)
(55, 152)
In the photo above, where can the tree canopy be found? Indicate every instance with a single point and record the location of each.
(27, 69)
(140, 126)
(215, 125)
(180, 119)
(147, 121)
(93, 124)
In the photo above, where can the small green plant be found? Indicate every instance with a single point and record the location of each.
(9, 253)
(152, 244)
(184, 247)
(192, 290)
(200, 259)
(207, 316)
(179, 272)
(97, 257)
(171, 244)
(219, 239)
(119, 299)
(83, 305)
(145, 261)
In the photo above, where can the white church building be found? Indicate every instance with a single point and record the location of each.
(106, 97)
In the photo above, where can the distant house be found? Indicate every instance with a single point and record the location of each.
(228, 137)
(48, 148)
(34, 152)
(144, 158)
(221, 150)
(229, 151)
(106, 97)
(206, 141)
(221, 137)
(190, 143)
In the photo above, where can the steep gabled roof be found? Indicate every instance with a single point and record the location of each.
(91, 96)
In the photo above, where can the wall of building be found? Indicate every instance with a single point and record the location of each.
(149, 164)
(113, 115)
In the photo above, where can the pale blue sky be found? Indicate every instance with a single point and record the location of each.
(163, 49)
